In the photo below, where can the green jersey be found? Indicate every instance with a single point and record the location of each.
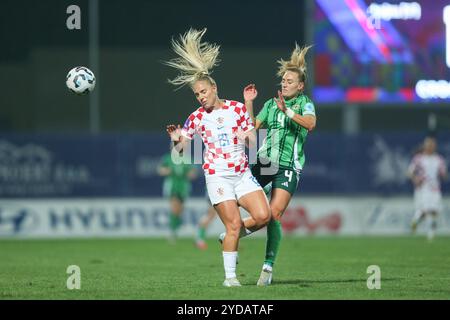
(177, 182)
(285, 138)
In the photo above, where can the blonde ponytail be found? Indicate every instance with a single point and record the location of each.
(297, 63)
(196, 59)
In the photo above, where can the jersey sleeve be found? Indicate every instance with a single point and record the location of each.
(264, 113)
(245, 120)
(191, 125)
(308, 108)
(413, 166)
(442, 166)
(165, 161)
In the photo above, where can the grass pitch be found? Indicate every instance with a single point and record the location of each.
(307, 268)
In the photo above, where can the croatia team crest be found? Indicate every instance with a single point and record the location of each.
(220, 121)
(220, 191)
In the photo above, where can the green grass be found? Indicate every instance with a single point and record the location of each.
(307, 268)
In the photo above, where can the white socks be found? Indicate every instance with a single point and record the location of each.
(418, 215)
(267, 267)
(431, 227)
(229, 263)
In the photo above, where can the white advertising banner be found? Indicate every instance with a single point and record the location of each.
(112, 217)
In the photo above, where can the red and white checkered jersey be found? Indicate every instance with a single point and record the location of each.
(224, 152)
(429, 168)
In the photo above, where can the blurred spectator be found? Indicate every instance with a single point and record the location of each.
(176, 187)
(426, 171)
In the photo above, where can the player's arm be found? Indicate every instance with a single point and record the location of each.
(163, 171)
(417, 180)
(177, 138)
(307, 121)
(249, 137)
(412, 174)
(445, 175)
(164, 167)
(443, 172)
(250, 94)
(192, 174)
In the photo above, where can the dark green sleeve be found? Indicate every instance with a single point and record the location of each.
(165, 161)
(264, 113)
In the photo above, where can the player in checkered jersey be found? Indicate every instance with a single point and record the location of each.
(426, 170)
(288, 119)
(225, 127)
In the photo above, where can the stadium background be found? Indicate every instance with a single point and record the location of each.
(58, 145)
(74, 166)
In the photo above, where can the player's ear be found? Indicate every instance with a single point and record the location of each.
(301, 86)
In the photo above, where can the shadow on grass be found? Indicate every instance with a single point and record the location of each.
(309, 283)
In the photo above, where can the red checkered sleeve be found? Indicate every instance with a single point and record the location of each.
(245, 121)
(191, 125)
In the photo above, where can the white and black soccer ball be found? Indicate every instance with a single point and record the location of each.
(80, 80)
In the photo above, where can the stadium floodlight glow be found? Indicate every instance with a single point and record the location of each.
(433, 89)
(388, 11)
(447, 34)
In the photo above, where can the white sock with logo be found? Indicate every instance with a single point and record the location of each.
(229, 263)
(267, 267)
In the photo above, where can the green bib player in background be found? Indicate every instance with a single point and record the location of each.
(280, 160)
(176, 187)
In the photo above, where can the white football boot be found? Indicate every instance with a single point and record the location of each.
(231, 282)
(265, 278)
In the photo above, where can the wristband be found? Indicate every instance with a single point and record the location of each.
(289, 113)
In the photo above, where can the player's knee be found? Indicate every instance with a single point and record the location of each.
(276, 213)
(262, 217)
(265, 218)
(234, 226)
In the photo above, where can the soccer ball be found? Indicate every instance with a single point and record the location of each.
(80, 80)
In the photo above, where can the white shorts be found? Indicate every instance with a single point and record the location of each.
(222, 188)
(425, 200)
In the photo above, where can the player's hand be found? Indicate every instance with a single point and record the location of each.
(174, 132)
(418, 181)
(281, 104)
(250, 92)
(241, 135)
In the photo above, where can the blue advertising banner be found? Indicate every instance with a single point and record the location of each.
(113, 165)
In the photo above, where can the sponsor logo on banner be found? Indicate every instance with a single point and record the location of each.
(84, 218)
(32, 169)
(128, 217)
(16, 219)
(296, 218)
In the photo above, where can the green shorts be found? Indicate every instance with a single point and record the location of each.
(280, 177)
(180, 196)
(175, 190)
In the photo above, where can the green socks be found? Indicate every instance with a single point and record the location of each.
(175, 222)
(274, 234)
(201, 233)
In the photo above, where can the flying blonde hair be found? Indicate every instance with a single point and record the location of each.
(297, 63)
(196, 59)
